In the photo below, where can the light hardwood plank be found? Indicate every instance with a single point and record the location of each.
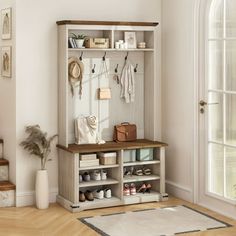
(58, 221)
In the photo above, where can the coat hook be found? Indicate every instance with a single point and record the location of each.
(93, 70)
(81, 56)
(126, 57)
(104, 57)
(116, 69)
(136, 67)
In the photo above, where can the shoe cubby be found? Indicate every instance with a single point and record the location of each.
(70, 183)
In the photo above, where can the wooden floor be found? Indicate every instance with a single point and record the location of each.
(57, 221)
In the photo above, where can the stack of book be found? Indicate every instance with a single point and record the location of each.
(72, 43)
(87, 160)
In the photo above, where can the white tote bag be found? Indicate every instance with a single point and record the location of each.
(86, 130)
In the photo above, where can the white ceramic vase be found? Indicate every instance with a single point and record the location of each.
(41, 189)
(80, 43)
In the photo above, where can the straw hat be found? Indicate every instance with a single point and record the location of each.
(75, 73)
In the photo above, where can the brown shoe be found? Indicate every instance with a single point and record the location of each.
(81, 197)
(89, 195)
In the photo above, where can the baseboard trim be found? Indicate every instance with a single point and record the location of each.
(28, 198)
(179, 191)
(217, 210)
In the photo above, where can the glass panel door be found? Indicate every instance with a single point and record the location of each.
(221, 97)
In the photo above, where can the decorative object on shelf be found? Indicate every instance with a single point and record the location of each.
(130, 39)
(107, 158)
(121, 45)
(88, 157)
(104, 93)
(89, 163)
(125, 132)
(97, 43)
(72, 43)
(127, 82)
(6, 60)
(141, 45)
(75, 70)
(129, 156)
(39, 145)
(86, 130)
(6, 23)
(79, 39)
(144, 154)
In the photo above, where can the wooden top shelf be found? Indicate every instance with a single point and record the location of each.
(121, 23)
(112, 146)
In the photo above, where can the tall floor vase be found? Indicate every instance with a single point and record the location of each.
(41, 189)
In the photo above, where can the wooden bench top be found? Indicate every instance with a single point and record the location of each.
(6, 186)
(4, 162)
(111, 146)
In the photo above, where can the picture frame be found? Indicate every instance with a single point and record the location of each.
(6, 61)
(6, 23)
(130, 39)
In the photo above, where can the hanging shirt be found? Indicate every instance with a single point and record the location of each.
(127, 83)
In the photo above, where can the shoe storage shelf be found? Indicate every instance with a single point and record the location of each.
(144, 111)
(70, 183)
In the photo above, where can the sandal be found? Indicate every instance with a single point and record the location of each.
(138, 172)
(147, 171)
(148, 188)
(142, 189)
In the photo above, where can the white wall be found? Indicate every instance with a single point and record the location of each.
(178, 94)
(36, 62)
(8, 101)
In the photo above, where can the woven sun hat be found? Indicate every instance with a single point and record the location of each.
(75, 68)
(75, 73)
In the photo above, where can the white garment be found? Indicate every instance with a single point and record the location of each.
(127, 83)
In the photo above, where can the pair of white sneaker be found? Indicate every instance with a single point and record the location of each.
(99, 175)
(100, 194)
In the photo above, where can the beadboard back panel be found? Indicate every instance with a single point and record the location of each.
(115, 110)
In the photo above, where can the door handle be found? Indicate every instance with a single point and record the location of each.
(202, 103)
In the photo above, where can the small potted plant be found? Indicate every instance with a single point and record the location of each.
(39, 145)
(79, 39)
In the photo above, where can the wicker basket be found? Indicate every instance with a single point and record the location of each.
(97, 43)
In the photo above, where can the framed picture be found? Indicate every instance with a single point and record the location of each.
(6, 22)
(130, 39)
(6, 61)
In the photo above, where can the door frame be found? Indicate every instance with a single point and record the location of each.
(201, 9)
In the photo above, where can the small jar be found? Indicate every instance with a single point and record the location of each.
(117, 45)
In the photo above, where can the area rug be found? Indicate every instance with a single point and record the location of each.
(153, 222)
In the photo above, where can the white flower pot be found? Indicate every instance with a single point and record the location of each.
(80, 43)
(41, 189)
